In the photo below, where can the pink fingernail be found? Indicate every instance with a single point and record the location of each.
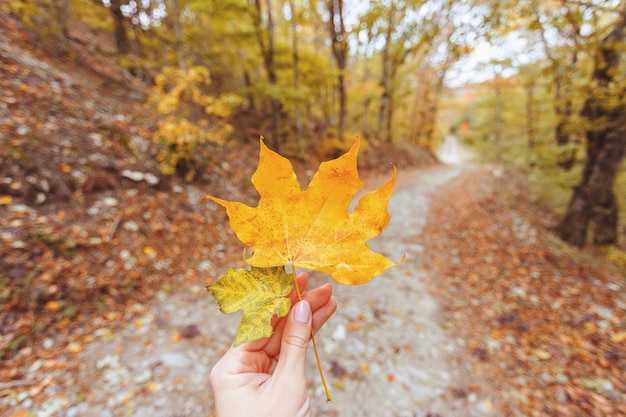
(302, 312)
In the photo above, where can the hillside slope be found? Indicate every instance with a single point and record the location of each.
(84, 211)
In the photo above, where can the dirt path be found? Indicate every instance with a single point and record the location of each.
(385, 353)
(389, 356)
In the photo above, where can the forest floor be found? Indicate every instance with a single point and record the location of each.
(546, 322)
(103, 263)
(489, 315)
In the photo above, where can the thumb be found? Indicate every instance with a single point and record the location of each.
(296, 336)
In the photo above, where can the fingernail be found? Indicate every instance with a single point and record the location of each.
(302, 312)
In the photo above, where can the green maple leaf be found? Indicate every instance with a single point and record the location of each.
(261, 293)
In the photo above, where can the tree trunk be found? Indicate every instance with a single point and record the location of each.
(62, 11)
(247, 81)
(366, 119)
(531, 126)
(390, 110)
(564, 113)
(593, 200)
(433, 107)
(296, 76)
(385, 77)
(563, 106)
(340, 53)
(121, 38)
(178, 32)
(366, 106)
(497, 116)
(342, 105)
(270, 67)
(419, 107)
(605, 220)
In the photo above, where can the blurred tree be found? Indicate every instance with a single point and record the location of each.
(365, 89)
(399, 43)
(584, 44)
(174, 13)
(414, 43)
(273, 72)
(119, 21)
(265, 31)
(594, 201)
(420, 80)
(62, 12)
(339, 42)
(447, 46)
(563, 61)
(296, 73)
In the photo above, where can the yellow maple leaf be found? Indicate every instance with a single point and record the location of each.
(312, 228)
(260, 293)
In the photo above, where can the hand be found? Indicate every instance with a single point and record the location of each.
(266, 378)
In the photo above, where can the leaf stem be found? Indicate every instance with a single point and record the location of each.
(329, 397)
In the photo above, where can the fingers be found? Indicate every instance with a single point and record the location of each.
(301, 279)
(322, 306)
(295, 341)
(317, 297)
(322, 314)
(319, 305)
(296, 332)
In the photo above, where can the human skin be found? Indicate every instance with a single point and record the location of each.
(266, 378)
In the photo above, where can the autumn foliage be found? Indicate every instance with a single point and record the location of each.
(191, 118)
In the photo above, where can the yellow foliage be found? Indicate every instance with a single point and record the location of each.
(332, 145)
(312, 228)
(616, 256)
(26, 10)
(261, 293)
(192, 117)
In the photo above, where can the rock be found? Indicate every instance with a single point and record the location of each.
(131, 226)
(190, 331)
(140, 176)
(205, 265)
(561, 396)
(151, 178)
(96, 138)
(110, 202)
(337, 370)
(340, 333)
(175, 360)
(542, 354)
(485, 406)
(143, 377)
(133, 175)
